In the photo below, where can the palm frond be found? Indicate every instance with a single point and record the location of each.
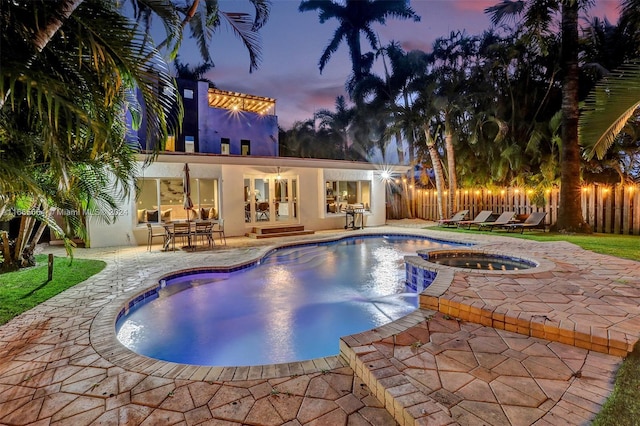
(242, 26)
(263, 9)
(608, 108)
(506, 10)
(332, 47)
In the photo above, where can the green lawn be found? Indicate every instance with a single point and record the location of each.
(623, 405)
(24, 289)
(625, 246)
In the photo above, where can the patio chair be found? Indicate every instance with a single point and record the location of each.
(181, 230)
(218, 228)
(535, 220)
(453, 220)
(481, 217)
(203, 232)
(151, 235)
(263, 211)
(504, 219)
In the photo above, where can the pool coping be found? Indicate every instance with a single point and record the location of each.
(105, 342)
(432, 299)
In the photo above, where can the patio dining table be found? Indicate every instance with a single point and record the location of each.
(170, 233)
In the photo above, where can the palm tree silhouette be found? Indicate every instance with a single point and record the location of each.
(356, 17)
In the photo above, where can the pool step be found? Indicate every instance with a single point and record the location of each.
(278, 231)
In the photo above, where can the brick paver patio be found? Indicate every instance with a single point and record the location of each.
(60, 363)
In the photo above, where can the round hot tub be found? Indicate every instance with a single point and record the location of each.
(478, 260)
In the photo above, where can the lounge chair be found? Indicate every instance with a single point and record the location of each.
(533, 221)
(482, 217)
(503, 220)
(454, 219)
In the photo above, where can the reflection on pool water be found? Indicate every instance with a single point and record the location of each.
(294, 306)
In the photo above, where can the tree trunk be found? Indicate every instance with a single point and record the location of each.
(451, 166)
(399, 147)
(55, 21)
(570, 217)
(6, 253)
(405, 192)
(437, 169)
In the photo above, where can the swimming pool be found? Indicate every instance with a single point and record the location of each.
(293, 306)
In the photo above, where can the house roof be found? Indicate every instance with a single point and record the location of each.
(201, 158)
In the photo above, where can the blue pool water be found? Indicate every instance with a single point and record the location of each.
(293, 306)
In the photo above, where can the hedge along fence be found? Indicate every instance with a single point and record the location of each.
(608, 209)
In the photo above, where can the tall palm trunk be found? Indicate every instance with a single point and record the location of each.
(451, 166)
(55, 21)
(399, 147)
(405, 191)
(411, 147)
(437, 169)
(570, 217)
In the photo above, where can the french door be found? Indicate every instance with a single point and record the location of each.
(270, 199)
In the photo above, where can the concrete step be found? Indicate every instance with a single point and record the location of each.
(257, 235)
(277, 229)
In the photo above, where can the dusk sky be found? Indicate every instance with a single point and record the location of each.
(292, 43)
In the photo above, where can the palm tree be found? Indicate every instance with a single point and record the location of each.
(537, 15)
(616, 98)
(194, 73)
(337, 123)
(356, 17)
(65, 104)
(204, 18)
(452, 64)
(608, 109)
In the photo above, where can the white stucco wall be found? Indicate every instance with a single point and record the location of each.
(230, 171)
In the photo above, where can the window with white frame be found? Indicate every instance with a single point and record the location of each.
(339, 195)
(162, 200)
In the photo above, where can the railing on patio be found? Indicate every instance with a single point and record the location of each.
(613, 209)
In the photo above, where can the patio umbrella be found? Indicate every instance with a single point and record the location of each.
(188, 204)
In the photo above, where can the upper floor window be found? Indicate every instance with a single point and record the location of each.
(188, 94)
(245, 147)
(189, 144)
(225, 146)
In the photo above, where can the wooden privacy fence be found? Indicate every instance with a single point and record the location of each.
(608, 209)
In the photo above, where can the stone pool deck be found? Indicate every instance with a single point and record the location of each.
(526, 348)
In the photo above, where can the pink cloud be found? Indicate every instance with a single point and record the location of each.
(473, 5)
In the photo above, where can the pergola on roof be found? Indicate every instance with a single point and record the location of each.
(236, 101)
